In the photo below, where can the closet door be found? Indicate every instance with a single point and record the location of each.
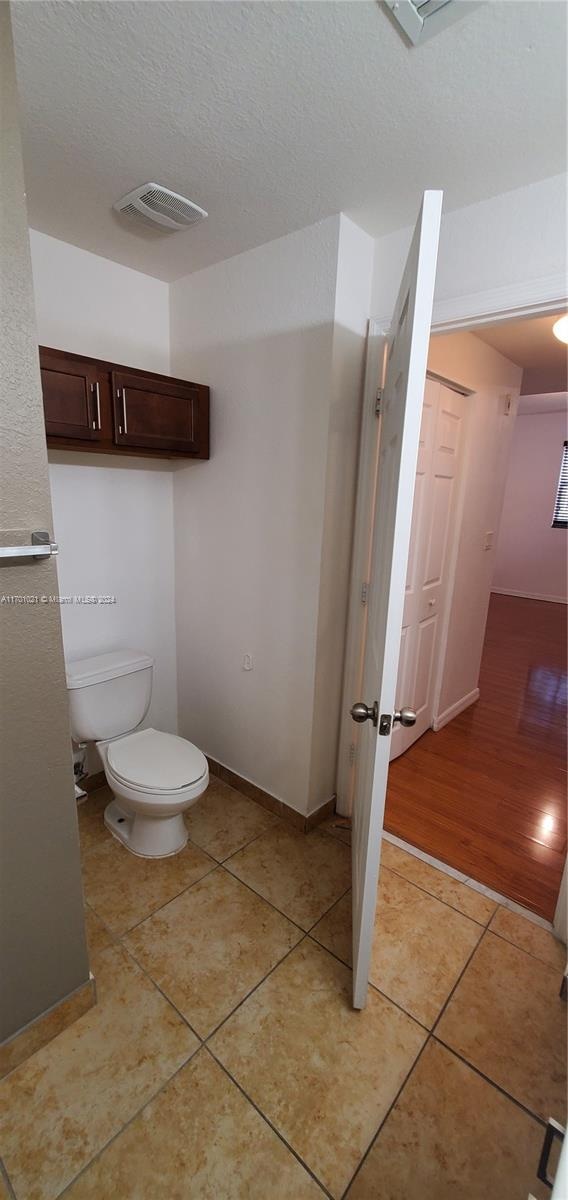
(433, 529)
(71, 401)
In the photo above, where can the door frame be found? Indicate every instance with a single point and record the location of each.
(535, 297)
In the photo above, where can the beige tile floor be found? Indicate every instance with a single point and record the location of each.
(223, 1059)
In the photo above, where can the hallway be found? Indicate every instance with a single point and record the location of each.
(487, 794)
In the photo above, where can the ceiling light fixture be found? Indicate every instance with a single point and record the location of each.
(560, 329)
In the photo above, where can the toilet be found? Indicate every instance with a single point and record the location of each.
(153, 776)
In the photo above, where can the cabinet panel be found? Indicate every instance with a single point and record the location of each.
(157, 414)
(71, 400)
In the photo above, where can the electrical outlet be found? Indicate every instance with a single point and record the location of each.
(247, 662)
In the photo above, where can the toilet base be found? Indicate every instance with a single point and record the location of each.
(147, 837)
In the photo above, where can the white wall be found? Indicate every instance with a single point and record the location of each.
(495, 383)
(114, 526)
(510, 239)
(531, 557)
(260, 329)
(97, 307)
(113, 518)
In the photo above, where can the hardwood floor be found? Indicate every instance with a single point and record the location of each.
(487, 794)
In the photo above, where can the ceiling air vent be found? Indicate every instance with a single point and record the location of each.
(421, 19)
(161, 206)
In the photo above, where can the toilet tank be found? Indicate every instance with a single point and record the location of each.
(109, 694)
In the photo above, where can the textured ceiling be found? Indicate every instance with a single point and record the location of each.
(274, 115)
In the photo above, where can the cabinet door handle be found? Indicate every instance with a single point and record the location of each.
(121, 394)
(95, 391)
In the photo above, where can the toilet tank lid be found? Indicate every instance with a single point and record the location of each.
(83, 672)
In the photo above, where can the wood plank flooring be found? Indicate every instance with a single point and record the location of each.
(487, 794)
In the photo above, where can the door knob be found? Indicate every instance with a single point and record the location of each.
(405, 717)
(362, 712)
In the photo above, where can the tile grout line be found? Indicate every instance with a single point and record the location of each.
(475, 885)
(221, 863)
(328, 910)
(253, 990)
(252, 840)
(432, 1036)
(268, 1122)
(464, 882)
(542, 961)
(374, 987)
(280, 910)
(458, 981)
(125, 932)
(117, 940)
(201, 849)
(261, 897)
(386, 1116)
(5, 1178)
(437, 1037)
(203, 1045)
(151, 980)
(130, 1120)
(203, 1042)
(433, 896)
(487, 1079)
(474, 951)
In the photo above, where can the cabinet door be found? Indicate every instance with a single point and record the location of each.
(71, 399)
(160, 414)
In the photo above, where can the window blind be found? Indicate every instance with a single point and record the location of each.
(560, 514)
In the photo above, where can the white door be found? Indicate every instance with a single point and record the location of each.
(400, 429)
(431, 544)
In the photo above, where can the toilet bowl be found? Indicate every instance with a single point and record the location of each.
(154, 777)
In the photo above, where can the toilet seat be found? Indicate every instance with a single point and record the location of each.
(156, 763)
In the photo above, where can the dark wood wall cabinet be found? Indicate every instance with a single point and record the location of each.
(94, 405)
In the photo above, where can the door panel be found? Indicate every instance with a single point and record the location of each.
(70, 398)
(401, 417)
(153, 414)
(433, 519)
(439, 521)
(424, 652)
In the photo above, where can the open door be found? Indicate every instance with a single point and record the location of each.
(401, 412)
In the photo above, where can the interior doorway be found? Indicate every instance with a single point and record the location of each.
(479, 782)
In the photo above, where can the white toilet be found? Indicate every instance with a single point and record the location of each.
(154, 776)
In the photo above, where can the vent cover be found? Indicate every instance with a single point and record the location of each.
(421, 19)
(160, 206)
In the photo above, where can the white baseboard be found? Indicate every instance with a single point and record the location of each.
(530, 596)
(454, 710)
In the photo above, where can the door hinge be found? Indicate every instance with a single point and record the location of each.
(385, 722)
(352, 753)
(364, 592)
(378, 402)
